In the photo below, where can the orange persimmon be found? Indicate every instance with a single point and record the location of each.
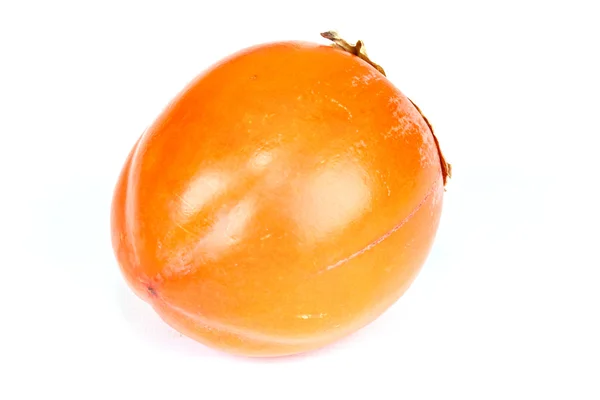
(283, 200)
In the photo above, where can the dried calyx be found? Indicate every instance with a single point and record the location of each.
(359, 50)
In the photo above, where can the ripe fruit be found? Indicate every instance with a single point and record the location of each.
(286, 198)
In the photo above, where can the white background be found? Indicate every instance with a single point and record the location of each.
(508, 303)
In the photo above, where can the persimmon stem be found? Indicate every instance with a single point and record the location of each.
(359, 50)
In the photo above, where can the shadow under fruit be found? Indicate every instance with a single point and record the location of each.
(283, 200)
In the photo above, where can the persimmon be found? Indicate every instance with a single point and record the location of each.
(284, 199)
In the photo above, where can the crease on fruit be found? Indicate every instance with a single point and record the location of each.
(386, 235)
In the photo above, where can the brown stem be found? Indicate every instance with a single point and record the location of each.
(359, 50)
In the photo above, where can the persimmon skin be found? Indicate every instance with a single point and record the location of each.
(283, 200)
